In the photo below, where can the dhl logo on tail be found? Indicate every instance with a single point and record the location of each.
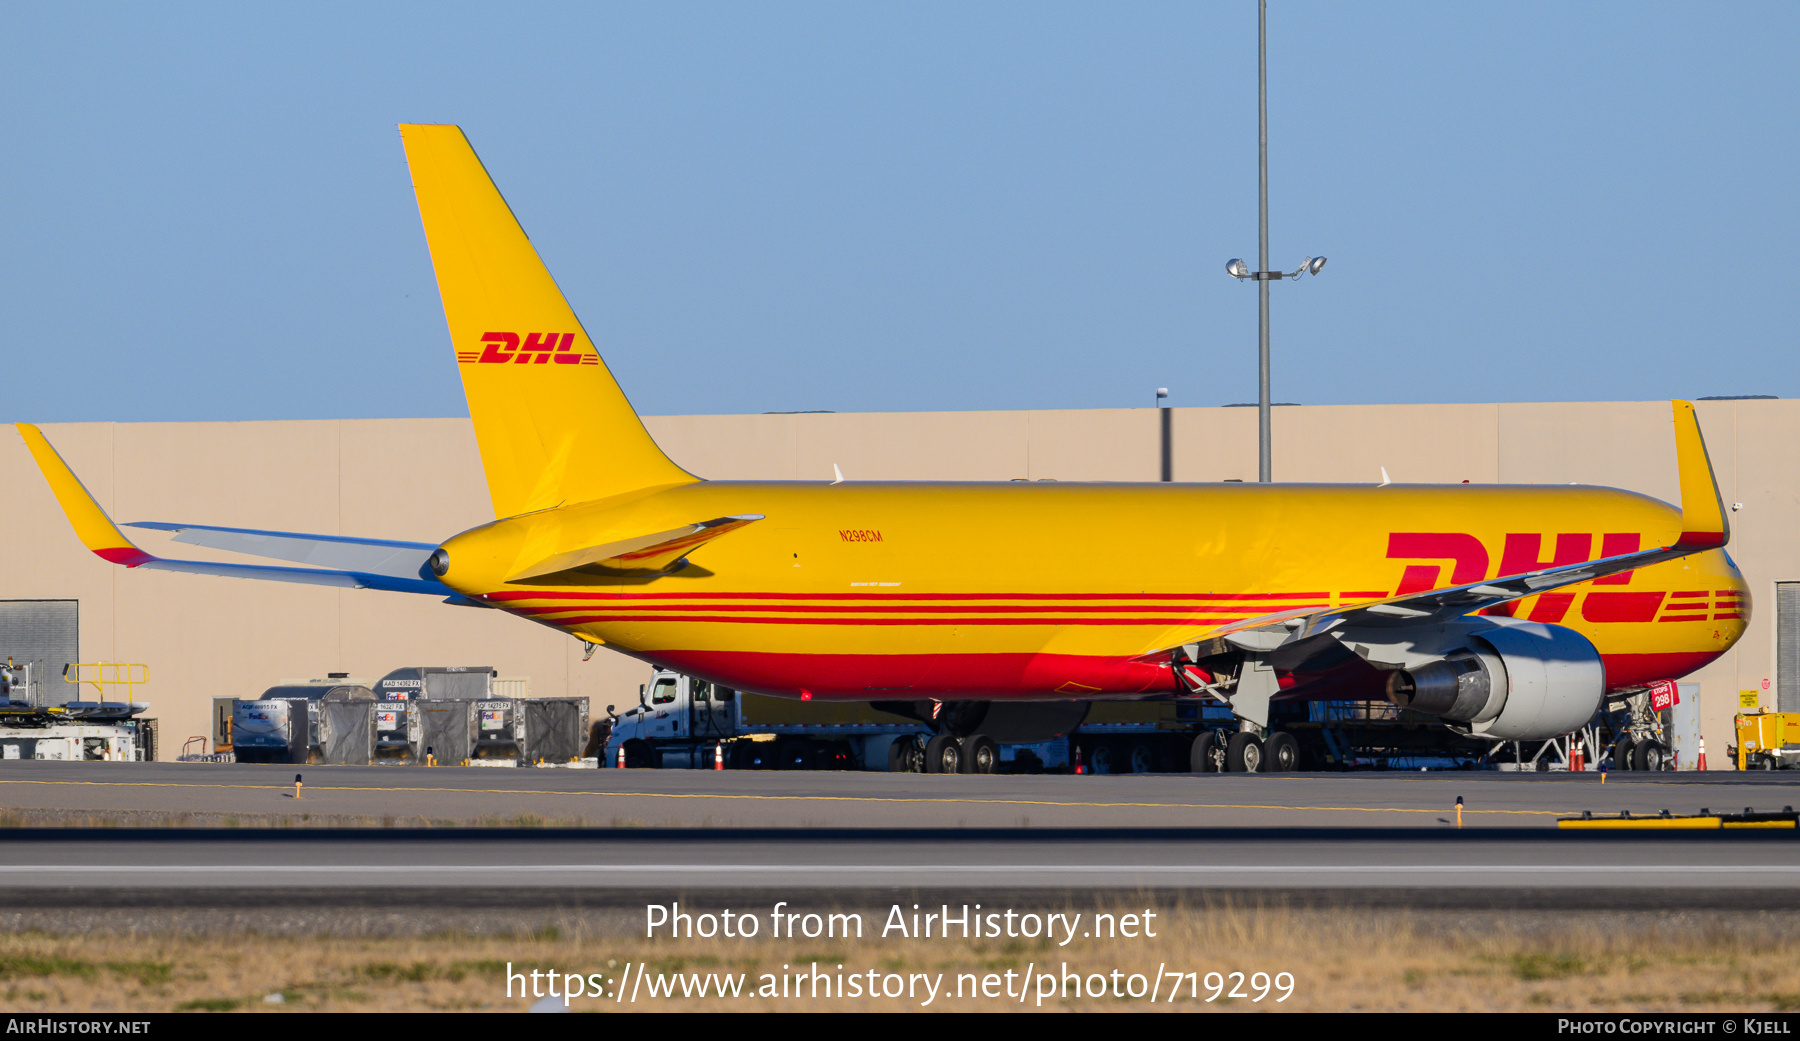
(538, 348)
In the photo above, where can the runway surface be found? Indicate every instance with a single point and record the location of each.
(234, 837)
(796, 860)
(169, 793)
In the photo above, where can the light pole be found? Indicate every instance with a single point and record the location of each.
(1263, 275)
(1168, 437)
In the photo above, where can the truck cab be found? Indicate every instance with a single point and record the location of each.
(678, 722)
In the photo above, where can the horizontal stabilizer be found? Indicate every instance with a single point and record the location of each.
(374, 556)
(655, 552)
(100, 535)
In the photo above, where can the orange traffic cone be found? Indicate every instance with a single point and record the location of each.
(621, 763)
(1078, 766)
(1577, 762)
(1702, 764)
(719, 757)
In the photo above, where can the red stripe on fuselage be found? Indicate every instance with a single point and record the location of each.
(680, 611)
(506, 595)
(771, 620)
(1027, 676)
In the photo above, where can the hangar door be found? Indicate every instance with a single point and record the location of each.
(1787, 647)
(44, 633)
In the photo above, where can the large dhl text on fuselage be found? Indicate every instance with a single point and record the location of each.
(1040, 590)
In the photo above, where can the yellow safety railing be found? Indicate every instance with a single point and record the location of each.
(103, 674)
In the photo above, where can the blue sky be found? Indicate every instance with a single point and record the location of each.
(906, 207)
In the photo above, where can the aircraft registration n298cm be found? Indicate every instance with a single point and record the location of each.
(1508, 612)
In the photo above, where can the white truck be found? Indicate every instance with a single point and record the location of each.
(684, 722)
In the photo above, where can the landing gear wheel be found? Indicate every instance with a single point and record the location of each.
(1243, 754)
(980, 755)
(943, 755)
(1200, 756)
(1648, 755)
(903, 756)
(1622, 753)
(1143, 759)
(1281, 753)
(1100, 759)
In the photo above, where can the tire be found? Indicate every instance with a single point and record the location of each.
(1100, 759)
(1141, 759)
(943, 755)
(1200, 753)
(1207, 756)
(1648, 755)
(793, 754)
(637, 755)
(1768, 763)
(830, 755)
(1622, 753)
(900, 756)
(980, 755)
(1243, 754)
(1281, 753)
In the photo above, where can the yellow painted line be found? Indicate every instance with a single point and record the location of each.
(806, 798)
(1674, 823)
(1759, 824)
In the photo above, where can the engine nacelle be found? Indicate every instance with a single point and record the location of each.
(1514, 681)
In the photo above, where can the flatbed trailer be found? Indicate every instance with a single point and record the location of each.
(684, 722)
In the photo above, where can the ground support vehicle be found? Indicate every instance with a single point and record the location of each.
(108, 729)
(29, 732)
(1768, 741)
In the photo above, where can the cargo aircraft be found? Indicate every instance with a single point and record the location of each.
(1507, 612)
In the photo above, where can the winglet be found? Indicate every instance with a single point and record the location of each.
(1703, 523)
(92, 526)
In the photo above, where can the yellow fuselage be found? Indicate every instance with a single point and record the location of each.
(878, 591)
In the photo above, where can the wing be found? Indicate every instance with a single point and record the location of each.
(363, 563)
(1703, 527)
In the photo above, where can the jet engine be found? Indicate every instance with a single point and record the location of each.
(1519, 681)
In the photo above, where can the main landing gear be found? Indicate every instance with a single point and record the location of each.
(945, 754)
(1242, 752)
